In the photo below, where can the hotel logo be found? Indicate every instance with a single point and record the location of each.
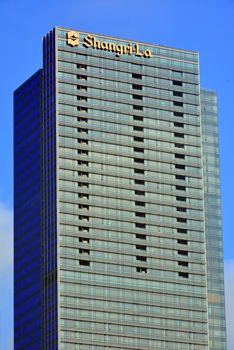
(73, 38)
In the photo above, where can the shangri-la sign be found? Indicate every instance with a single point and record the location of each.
(73, 39)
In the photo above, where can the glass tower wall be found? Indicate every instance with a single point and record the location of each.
(217, 327)
(27, 214)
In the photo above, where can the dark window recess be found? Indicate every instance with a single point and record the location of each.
(83, 217)
(83, 206)
(137, 118)
(81, 66)
(183, 252)
(137, 97)
(84, 229)
(82, 109)
(181, 199)
(84, 131)
(178, 114)
(139, 171)
(141, 269)
(136, 76)
(83, 141)
(83, 162)
(178, 134)
(139, 225)
(141, 258)
(139, 214)
(83, 240)
(182, 230)
(179, 145)
(179, 156)
(183, 274)
(138, 160)
(138, 149)
(178, 93)
(82, 98)
(177, 83)
(183, 263)
(180, 177)
(84, 262)
(138, 128)
(178, 125)
(183, 210)
(178, 104)
(84, 251)
(182, 241)
(139, 182)
(81, 87)
(139, 193)
(181, 188)
(83, 195)
(83, 184)
(83, 173)
(140, 236)
(138, 139)
(82, 151)
(140, 247)
(81, 77)
(141, 204)
(182, 220)
(136, 87)
(180, 166)
(138, 108)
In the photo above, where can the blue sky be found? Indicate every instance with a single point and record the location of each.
(203, 25)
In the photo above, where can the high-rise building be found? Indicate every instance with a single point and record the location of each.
(118, 241)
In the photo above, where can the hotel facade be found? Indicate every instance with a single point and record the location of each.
(118, 238)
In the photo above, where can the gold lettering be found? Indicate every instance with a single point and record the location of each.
(119, 49)
(138, 53)
(96, 43)
(112, 47)
(105, 45)
(148, 53)
(88, 40)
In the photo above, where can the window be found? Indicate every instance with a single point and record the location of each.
(137, 149)
(139, 182)
(137, 118)
(180, 177)
(180, 156)
(182, 220)
(138, 160)
(178, 104)
(182, 241)
(183, 274)
(178, 93)
(179, 145)
(177, 134)
(139, 214)
(83, 240)
(137, 97)
(181, 209)
(139, 171)
(178, 114)
(139, 193)
(138, 139)
(182, 199)
(180, 188)
(183, 263)
(183, 252)
(177, 83)
(141, 204)
(182, 230)
(136, 76)
(138, 128)
(140, 247)
(141, 269)
(139, 225)
(140, 236)
(141, 258)
(138, 108)
(136, 87)
(178, 125)
(84, 251)
(180, 166)
(84, 262)
(81, 77)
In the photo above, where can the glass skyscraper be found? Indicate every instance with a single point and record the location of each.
(118, 241)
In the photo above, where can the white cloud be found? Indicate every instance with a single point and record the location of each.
(6, 238)
(229, 299)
